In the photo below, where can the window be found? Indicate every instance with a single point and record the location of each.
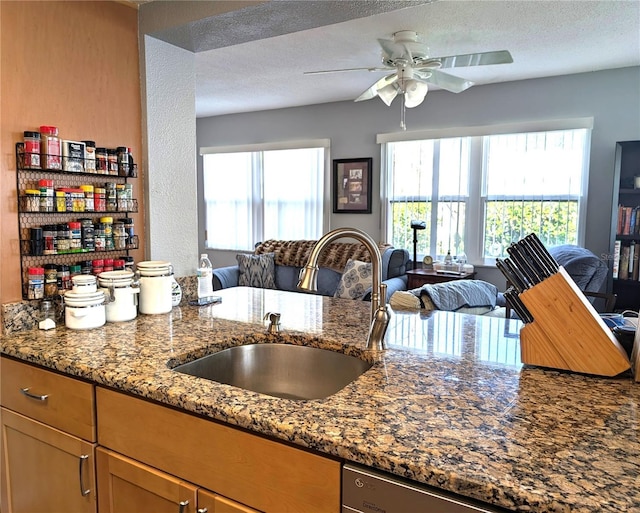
(478, 193)
(252, 196)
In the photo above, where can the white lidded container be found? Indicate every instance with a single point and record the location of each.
(84, 283)
(84, 311)
(156, 283)
(122, 295)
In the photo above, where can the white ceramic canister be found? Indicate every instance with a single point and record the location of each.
(84, 284)
(156, 283)
(122, 295)
(84, 311)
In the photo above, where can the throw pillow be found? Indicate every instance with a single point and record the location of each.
(355, 281)
(256, 271)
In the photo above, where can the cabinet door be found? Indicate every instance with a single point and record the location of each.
(45, 470)
(209, 502)
(127, 486)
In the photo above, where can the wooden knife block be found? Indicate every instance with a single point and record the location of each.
(567, 333)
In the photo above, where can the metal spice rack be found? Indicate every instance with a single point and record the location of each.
(29, 218)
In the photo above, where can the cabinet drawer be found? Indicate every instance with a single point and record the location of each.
(263, 474)
(59, 401)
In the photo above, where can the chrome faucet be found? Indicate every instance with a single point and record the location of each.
(379, 309)
(274, 322)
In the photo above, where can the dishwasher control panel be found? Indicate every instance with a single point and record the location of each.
(366, 490)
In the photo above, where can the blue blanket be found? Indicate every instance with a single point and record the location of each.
(453, 295)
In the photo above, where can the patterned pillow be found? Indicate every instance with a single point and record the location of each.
(355, 281)
(257, 271)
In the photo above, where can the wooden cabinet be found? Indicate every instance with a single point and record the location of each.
(625, 228)
(151, 457)
(48, 442)
(263, 474)
(129, 486)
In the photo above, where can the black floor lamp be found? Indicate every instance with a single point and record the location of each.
(415, 226)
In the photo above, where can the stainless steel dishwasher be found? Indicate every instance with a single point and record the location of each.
(366, 490)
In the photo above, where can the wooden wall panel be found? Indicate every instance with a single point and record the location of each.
(74, 65)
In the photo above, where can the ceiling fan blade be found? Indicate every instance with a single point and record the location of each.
(448, 82)
(476, 59)
(322, 72)
(372, 92)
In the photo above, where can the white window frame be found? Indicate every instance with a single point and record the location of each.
(281, 145)
(474, 232)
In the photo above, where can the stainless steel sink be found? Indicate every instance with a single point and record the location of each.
(279, 370)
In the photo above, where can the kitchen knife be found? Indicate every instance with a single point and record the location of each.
(544, 252)
(511, 278)
(518, 306)
(521, 263)
(535, 258)
(523, 280)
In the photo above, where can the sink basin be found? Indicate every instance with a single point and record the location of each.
(279, 370)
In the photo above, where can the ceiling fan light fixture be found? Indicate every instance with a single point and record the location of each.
(414, 93)
(388, 93)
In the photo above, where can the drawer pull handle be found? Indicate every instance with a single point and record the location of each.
(203, 510)
(84, 492)
(26, 392)
(183, 505)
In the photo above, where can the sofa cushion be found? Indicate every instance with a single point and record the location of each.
(256, 271)
(355, 280)
(287, 278)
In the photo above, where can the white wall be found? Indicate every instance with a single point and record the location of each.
(169, 78)
(612, 98)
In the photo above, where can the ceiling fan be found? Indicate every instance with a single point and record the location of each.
(413, 69)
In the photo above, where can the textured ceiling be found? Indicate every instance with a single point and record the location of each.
(253, 58)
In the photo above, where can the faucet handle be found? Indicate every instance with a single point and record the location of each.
(274, 321)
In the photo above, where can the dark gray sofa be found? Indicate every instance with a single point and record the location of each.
(394, 266)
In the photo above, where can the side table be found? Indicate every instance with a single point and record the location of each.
(419, 277)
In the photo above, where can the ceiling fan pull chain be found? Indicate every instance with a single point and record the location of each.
(403, 125)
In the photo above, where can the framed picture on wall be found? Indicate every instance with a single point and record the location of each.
(352, 186)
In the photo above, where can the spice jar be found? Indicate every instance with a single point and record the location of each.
(89, 204)
(75, 229)
(50, 235)
(32, 150)
(89, 156)
(108, 233)
(35, 285)
(112, 159)
(108, 264)
(64, 278)
(50, 148)
(119, 236)
(123, 160)
(61, 201)
(111, 197)
(32, 200)
(97, 266)
(50, 280)
(99, 199)
(36, 241)
(46, 195)
(88, 235)
(99, 239)
(102, 161)
(63, 238)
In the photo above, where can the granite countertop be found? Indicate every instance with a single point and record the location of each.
(448, 404)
